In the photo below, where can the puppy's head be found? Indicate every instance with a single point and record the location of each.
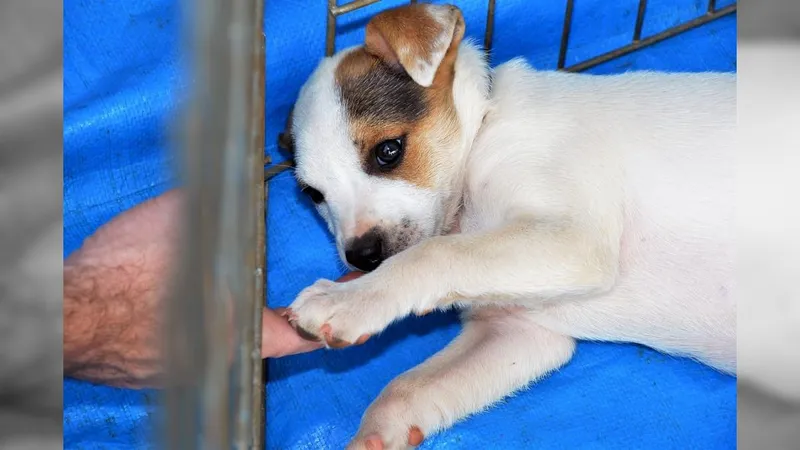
(377, 137)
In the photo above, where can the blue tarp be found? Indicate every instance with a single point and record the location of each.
(122, 78)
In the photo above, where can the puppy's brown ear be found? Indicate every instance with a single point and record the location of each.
(423, 39)
(285, 140)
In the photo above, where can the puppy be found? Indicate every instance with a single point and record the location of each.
(589, 207)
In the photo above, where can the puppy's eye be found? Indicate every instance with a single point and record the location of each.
(316, 196)
(388, 154)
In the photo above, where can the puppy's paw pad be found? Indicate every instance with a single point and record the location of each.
(415, 436)
(334, 342)
(373, 442)
(326, 334)
(386, 440)
(330, 340)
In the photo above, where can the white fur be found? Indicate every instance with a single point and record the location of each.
(593, 208)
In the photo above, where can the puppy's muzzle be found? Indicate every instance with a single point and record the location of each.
(365, 253)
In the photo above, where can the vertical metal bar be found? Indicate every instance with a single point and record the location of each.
(330, 29)
(637, 32)
(193, 418)
(562, 51)
(239, 219)
(712, 6)
(487, 40)
(214, 344)
(259, 189)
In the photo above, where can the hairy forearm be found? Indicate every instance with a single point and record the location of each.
(106, 320)
(115, 287)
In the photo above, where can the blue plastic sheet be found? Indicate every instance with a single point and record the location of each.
(122, 83)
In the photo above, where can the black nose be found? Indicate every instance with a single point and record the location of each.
(364, 253)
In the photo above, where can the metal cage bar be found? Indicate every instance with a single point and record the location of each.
(334, 11)
(260, 191)
(638, 44)
(215, 386)
(488, 36)
(562, 49)
(637, 31)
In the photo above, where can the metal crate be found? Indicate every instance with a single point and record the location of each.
(216, 313)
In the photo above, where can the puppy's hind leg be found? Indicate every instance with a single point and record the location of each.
(499, 351)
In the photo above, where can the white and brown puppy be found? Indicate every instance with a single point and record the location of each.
(589, 208)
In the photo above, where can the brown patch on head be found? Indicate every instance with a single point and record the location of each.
(399, 86)
(416, 38)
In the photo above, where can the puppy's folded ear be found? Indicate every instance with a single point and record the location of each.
(285, 140)
(422, 39)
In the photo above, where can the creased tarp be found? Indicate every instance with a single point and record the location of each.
(122, 78)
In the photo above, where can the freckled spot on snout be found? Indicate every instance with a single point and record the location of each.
(400, 237)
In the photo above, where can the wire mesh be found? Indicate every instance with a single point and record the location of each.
(637, 43)
(335, 10)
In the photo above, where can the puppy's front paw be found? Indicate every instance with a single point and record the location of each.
(341, 314)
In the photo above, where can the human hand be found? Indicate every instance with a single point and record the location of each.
(114, 289)
(280, 338)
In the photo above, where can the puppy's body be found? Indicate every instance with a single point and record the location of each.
(588, 208)
(646, 158)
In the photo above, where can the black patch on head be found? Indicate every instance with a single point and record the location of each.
(384, 94)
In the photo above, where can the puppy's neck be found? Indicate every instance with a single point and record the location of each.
(471, 90)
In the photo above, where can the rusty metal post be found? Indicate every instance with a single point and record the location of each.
(215, 385)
